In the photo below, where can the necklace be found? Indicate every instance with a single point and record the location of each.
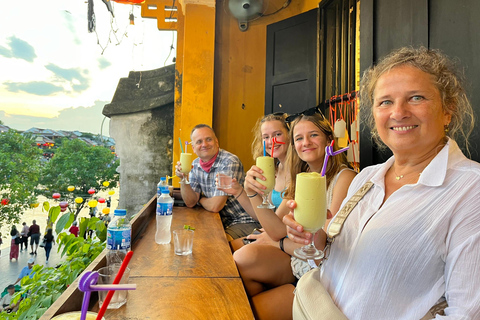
(398, 177)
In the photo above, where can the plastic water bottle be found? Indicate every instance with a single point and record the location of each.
(162, 185)
(119, 234)
(164, 217)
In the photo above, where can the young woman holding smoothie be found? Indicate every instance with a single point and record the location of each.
(267, 129)
(268, 271)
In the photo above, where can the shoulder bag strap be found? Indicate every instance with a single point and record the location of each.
(337, 224)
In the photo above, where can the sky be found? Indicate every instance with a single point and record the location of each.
(54, 74)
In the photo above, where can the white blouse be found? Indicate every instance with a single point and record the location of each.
(421, 245)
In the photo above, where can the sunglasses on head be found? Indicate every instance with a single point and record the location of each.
(308, 112)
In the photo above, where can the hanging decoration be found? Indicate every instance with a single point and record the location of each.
(132, 19)
(70, 188)
(106, 183)
(101, 200)
(343, 115)
(106, 210)
(56, 196)
(92, 203)
(91, 17)
(78, 200)
(5, 201)
(109, 6)
(91, 191)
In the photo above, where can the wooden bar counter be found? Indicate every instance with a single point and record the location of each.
(203, 285)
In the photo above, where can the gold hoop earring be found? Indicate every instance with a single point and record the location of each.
(446, 128)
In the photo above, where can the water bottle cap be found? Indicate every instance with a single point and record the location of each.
(163, 179)
(120, 212)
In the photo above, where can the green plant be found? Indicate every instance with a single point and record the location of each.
(19, 174)
(48, 283)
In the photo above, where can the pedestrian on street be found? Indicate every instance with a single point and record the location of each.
(34, 236)
(49, 240)
(24, 234)
(74, 229)
(14, 244)
(1, 242)
(26, 271)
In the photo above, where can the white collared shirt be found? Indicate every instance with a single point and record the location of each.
(421, 244)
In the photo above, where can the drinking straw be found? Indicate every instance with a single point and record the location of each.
(181, 145)
(274, 139)
(117, 279)
(88, 279)
(329, 152)
(114, 287)
(186, 144)
(264, 152)
(168, 177)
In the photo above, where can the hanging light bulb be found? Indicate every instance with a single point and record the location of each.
(132, 22)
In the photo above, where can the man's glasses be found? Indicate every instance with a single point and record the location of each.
(308, 112)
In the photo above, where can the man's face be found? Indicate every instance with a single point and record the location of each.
(204, 143)
(11, 291)
(30, 265)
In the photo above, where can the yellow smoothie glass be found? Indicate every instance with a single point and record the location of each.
(311, 210)
(267, 164)
(186, 164)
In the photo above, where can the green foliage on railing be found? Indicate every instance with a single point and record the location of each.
(48, 283)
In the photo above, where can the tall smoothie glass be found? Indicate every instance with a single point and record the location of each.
(186, 163)
(311, 210)
(267, 164)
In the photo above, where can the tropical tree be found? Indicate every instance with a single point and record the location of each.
(19, 175)
(78, 167)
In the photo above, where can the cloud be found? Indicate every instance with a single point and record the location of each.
(40, 88)
(85, 119)
(77, 77)
(70, 24)
(103, 63)
(5, 52)
(18, 49)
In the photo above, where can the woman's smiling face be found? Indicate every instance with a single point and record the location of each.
(310, 142)
(408, 112)
(275, 129)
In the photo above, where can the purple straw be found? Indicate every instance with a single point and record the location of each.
(329, 152)
(88, 278)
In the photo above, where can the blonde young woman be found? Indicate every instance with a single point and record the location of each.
(267, 269)
(266, 129)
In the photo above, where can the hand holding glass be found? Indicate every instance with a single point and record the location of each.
(267, 164)
(224, 180)
(186, 164)
(311, 210)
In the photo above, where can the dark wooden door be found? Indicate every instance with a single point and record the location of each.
(291, 68)
(451, 26)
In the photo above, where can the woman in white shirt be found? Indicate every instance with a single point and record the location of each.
(414, 239)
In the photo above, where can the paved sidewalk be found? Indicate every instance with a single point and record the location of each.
(9, 271)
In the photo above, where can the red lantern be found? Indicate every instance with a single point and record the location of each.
(63, 209)
(56, 196)
(5, 201)
(101, 200)
(91, 191)
(63, 204)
